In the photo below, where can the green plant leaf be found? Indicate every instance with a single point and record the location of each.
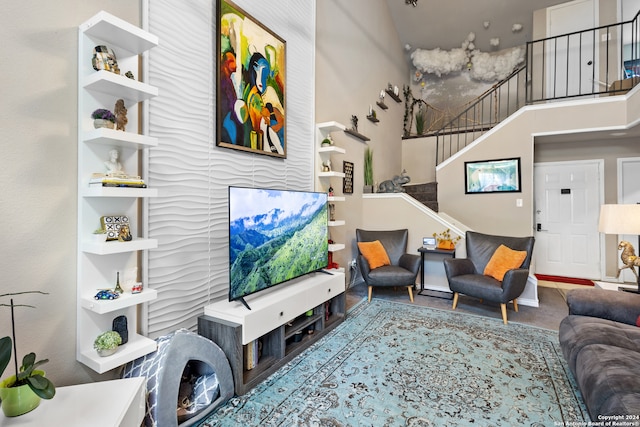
(5, 353)
(41, 386)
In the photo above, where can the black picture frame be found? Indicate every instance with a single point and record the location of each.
(347, 181)
(493, 176)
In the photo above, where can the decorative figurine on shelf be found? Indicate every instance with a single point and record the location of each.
(119, 325)
(104, 59)
(332, 212)
(330, 192)
(118, 289)
(354, 123)
(124, 234)
(106, 294)
(326, 166)
(382, 94)
(129, 75)
(394, 185)
(114, 167)
(120, 112)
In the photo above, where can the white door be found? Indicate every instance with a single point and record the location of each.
(571, 68)
(567, 206)
(629, 193)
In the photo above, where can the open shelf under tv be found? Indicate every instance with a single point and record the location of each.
(275, 316)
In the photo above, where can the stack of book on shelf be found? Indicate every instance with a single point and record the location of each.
(113, 181)
(251, 355)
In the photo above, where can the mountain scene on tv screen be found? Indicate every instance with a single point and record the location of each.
(285, 239)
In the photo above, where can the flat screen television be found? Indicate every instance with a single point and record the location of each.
(274, 236)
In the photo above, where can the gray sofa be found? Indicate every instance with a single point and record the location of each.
(601, 343)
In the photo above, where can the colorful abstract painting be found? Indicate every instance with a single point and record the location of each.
(250, 85)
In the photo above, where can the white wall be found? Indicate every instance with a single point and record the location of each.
(358, 53)
(190, 218)
(38, 116)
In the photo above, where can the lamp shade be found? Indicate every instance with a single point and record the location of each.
(619, 219)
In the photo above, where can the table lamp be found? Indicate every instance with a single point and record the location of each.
(623, 219)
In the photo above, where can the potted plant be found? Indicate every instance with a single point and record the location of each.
(103, 118)
(368, 171)
(21, 393)
(100, 235)
(107, 343)
(445, 240)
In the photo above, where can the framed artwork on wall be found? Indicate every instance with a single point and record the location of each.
(492, 176)
(347, 181)
(250, 84)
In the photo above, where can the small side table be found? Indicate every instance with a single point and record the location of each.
(430, 292)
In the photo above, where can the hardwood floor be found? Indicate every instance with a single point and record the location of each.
(551, 296)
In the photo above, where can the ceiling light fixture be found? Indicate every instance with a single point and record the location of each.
(413, 3)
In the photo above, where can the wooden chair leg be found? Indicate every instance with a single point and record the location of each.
(515, 305)
(503, 308)
(370, 291)
(410, 289)
(455, 300)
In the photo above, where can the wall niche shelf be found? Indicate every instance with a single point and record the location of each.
(98, 262)
(356, 134)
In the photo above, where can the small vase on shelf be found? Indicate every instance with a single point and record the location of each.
(102, 123)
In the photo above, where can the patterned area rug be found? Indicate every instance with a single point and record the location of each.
(395, 364)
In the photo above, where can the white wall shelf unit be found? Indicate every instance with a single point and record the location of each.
(324, 181)
(100, 262)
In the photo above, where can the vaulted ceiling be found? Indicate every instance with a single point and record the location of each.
(447, 23)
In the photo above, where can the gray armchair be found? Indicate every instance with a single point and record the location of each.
(404, 267)
(466, 275)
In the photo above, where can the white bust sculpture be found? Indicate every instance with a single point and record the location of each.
(114, 167)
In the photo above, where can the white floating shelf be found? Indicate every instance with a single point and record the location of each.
(116, 247)
(331, 174)
(119, 138)
(125, 300)
(136, 347)
(336, 198)
(335, 247)
(119, 86)
(332, 149)
(119, 192)
(116, 31)
(336, 223)
(331, 126)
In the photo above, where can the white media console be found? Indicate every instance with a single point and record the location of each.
(275, 317)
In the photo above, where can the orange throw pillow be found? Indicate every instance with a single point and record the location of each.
(374, 253)
(503, 260)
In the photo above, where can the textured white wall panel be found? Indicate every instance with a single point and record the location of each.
(190, 217)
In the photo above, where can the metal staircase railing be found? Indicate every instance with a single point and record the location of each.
(596, 62)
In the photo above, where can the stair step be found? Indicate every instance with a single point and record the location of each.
(427, 194)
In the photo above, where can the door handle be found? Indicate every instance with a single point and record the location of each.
(539, 227)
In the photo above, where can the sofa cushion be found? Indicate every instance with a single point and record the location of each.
(609, 380)
(577, 332)
(503, 260)
(374, 253)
